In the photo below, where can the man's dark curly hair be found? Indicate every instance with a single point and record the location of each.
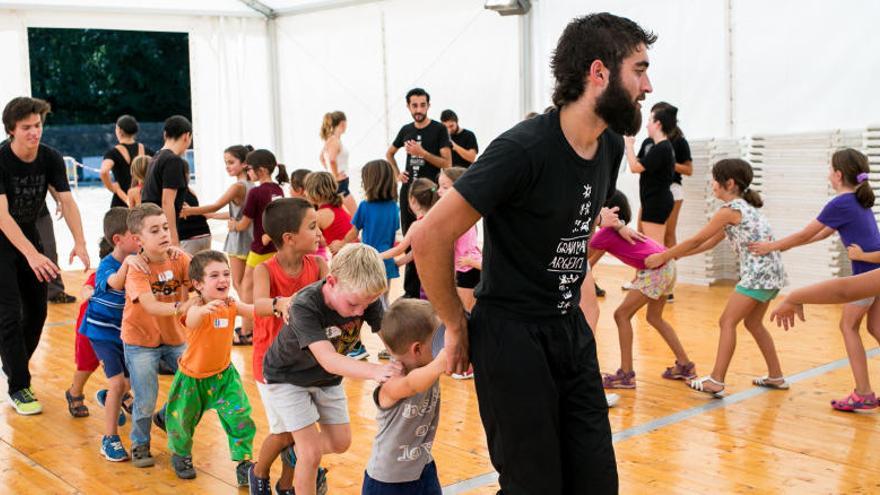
(602, 36)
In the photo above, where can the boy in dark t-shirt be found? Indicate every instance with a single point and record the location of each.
(168, 173)
(304, 366)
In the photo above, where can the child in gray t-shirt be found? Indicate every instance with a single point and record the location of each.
(409, 405)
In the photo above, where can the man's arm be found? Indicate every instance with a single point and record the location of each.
(389, 155)
(468, 154)
(442, 161)
(74, 222)
(432, 244)
(168, 198)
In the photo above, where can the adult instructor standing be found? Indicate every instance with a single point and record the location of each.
(427, 152)
(539, 187)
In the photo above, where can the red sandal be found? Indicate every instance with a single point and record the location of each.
(855, 402)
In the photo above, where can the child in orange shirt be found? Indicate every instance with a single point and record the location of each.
(151, 329)
(206, 378)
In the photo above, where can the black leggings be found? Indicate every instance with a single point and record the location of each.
(22, 312)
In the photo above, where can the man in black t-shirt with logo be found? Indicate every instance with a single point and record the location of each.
(27, 170)
(427, 151)
(539, 187)
(167, 177)
(464, 142)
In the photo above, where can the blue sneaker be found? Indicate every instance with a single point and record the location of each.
(288, 456)
(112, 449)
(256, 485)
(101, 397)
(359, 351)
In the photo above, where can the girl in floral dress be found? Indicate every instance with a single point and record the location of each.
(761, 277)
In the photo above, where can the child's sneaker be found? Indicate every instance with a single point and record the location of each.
(612, 400)
(183, 466)
(681, 371)
(467, 375)
(288, 456)
(101, 398)
(256, 485)
(283, 491)
(384, 354)
(141, 457)
(619, 379)
(241, 472)
(855, 402)
(159, 418)
(359, 351)
(112, 449)
(24, 402)
(321, 481)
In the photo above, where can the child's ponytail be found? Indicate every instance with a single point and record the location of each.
(424, 192)
(742, 175)
(853, 167)
(281, 177)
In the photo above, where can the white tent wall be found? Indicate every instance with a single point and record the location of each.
(805, 65)
(229, 64)
(464, 56)
(688, 62)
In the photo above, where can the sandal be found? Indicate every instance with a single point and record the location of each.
(774, 383)
(855, 402)
(242, 338)
(620, 379)
(681, 371)
(697, 384)
(77, 411)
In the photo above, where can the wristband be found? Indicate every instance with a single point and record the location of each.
(275, 307)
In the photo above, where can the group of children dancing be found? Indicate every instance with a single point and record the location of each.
(308, 273)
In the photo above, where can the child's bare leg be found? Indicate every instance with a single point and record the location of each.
(850, 321)
(755, 325)
(632, 302)
(237, 267)
(311, 445)
(467, 298)
(738, 307)
(874, 319)
(79, 382)
(655, 319)
(272, 445)
(247, 296)
(116, 388)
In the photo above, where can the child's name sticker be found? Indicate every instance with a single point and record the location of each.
(221, 322)
(166, 276)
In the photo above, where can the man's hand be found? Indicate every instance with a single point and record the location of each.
(403, 177)
(414, 148)
(608, 216)
(456, 346)
(80, 251)
(43, 267)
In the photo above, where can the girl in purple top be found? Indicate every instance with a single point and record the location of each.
(849, 213)
(650, 287)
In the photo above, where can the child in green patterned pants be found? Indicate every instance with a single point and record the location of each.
(205, 378)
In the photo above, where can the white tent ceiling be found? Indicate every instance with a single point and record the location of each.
(239, 8)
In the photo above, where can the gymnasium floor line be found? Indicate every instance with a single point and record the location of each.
(59, 323)
(488, 478)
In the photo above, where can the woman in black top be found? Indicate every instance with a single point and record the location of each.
(683, 166)
(118, 160)
(656, 165)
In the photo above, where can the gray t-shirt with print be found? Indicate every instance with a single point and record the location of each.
(404, 438)
(289, 359)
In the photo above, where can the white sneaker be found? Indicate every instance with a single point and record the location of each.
(612, 399)
(627, 286)
(467, 375)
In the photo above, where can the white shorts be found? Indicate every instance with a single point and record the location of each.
(677, 191)
(291, 408)
(868, 301)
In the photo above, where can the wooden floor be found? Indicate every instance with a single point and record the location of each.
(671, 440)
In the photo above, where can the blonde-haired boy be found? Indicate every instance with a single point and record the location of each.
(305, 365)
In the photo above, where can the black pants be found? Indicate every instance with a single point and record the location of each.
(22, 311)
(542, 404)
(46, 229)
(411, 283)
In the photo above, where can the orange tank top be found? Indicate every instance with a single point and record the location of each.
(281, 284)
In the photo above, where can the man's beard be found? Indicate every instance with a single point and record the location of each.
(618, 110)
(419, 117)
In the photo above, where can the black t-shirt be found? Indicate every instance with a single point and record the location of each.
(682, 153)
(659, 163)
(467, 140)
(538, 200)
(166, 171)
(25, 184)
(122, 168)
(193, 225)
(289, 359)
(433, 137)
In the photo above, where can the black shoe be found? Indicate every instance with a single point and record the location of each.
(257, 485)
(670, 298)
(62, 298)
(600, 292)
(183, 467)
(141, 457)
(241, 472)
(159, 418)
